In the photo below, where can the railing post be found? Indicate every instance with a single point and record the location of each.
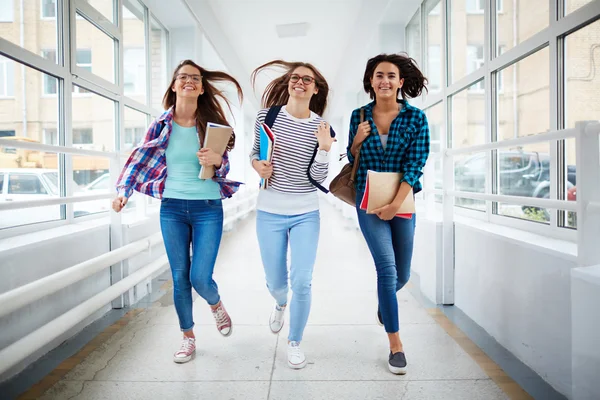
(588, 190)
(448, 231)
(116, 233)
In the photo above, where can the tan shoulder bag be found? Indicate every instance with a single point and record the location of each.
(342, 186)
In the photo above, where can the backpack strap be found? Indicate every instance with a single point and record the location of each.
(312, 160)
(270, 121)
(272, 115)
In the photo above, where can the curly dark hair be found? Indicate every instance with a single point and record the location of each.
(414, 81)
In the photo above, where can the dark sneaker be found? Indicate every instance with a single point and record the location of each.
(379, 319)
(397, 363)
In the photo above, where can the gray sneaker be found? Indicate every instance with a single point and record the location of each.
(397, 363)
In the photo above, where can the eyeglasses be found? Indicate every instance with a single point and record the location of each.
(307, 80)
(184, 77)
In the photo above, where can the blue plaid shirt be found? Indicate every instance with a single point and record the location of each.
(406, 150)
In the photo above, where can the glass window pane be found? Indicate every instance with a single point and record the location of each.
(413, 37)
(99, 53)
(466, 31)
(519, 20)
(158, 51)
(470, 176)
(90, 175)
(7, 77)
(435, 118)
(524, 101)
(524, 171)
(572, 5)
(434, 46)
(104, 7)
(582, 75)
(41, 112)
(134, 59)
(28, 175)
(38, 32)
(135, 128)
(93, 122)
(582, 97)
(468, 117)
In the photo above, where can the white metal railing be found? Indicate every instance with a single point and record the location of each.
(518, 200)
(522, 141)
(22, 296)
(48, 148)
(26, 294)
(14, 205)
(22, 348)
(590, 129)
(587, 204)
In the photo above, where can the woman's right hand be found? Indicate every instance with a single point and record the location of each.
(363, 131)
(263, 167)
(119, 203)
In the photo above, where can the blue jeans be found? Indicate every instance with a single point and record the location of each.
(274, 232)
(391, 245)
(199, 223)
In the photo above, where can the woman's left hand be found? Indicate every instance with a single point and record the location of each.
(208, 157)
(386, 213)
(324, 136)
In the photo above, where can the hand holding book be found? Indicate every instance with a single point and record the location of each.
(215, 142)
(208, 157)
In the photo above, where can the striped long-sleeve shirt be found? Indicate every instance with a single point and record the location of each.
(290, 192)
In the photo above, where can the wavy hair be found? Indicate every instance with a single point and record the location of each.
(209, 108)
(277, 93)
(414, 81)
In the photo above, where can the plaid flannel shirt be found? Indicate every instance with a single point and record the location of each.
(146, 169)
(406, 151)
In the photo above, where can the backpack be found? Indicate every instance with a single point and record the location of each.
(270, 120)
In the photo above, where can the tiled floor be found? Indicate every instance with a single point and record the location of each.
(346, 349)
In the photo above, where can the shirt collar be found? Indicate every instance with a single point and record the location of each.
(167, 115)
(369, 107)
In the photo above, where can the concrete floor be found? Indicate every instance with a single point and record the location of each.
(346, 350)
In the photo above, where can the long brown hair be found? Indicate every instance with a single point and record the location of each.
(414, 81)
(209, 109)
(277, 94)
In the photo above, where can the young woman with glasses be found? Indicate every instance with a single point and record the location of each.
(394, 137)
(288, 210)
(166, 165)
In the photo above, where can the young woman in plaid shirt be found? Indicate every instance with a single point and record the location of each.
(191, 211)
(394, 137)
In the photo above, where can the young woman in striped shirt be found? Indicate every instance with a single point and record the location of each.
(288, 210)
(394, 137)
(191, 212)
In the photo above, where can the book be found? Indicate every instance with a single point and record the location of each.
(267, 141)
(381, 189)
(216, 138)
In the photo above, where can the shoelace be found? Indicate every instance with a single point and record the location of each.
(186, 346)
(295, 349)
(220, 316)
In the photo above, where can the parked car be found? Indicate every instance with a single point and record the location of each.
(21, 184)
(520, 173)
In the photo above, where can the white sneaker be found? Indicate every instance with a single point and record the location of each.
(296, 357)
(276, 319)
(186, 351)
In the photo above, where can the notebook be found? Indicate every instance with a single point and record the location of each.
(267, 140)
(216, 138)
(381, 189)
